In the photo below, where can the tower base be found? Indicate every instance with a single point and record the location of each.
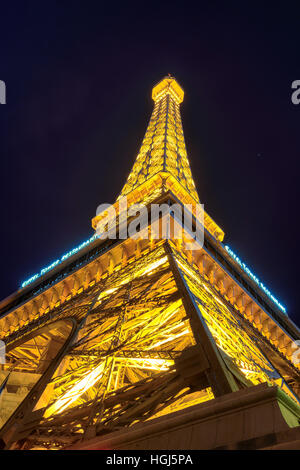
(259, 417)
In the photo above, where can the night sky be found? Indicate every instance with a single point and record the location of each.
(79, 78)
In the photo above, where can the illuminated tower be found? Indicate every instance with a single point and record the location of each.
(142, 342)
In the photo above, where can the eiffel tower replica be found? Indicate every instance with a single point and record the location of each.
(144, 343)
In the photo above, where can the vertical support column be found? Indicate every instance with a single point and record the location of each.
(98, 404)
(219, 376)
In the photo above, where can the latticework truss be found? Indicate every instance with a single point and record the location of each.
(126, 363)
(163, 148)
(140, 328)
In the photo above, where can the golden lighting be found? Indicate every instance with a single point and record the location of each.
(76, 391)
(144, 315)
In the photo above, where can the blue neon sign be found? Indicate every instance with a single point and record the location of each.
(58, 261)
(255, 278)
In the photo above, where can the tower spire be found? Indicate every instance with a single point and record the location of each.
(163, 149)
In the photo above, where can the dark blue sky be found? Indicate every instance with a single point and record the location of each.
(79, 77)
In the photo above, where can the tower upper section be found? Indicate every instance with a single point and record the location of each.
(163, 149)
(162, 164)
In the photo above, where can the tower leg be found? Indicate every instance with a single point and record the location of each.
(219, 377)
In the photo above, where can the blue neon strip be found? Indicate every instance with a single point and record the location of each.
(58, 261)
(255, 278)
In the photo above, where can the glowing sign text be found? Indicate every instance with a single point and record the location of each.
(58, 261)
(255, 278)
